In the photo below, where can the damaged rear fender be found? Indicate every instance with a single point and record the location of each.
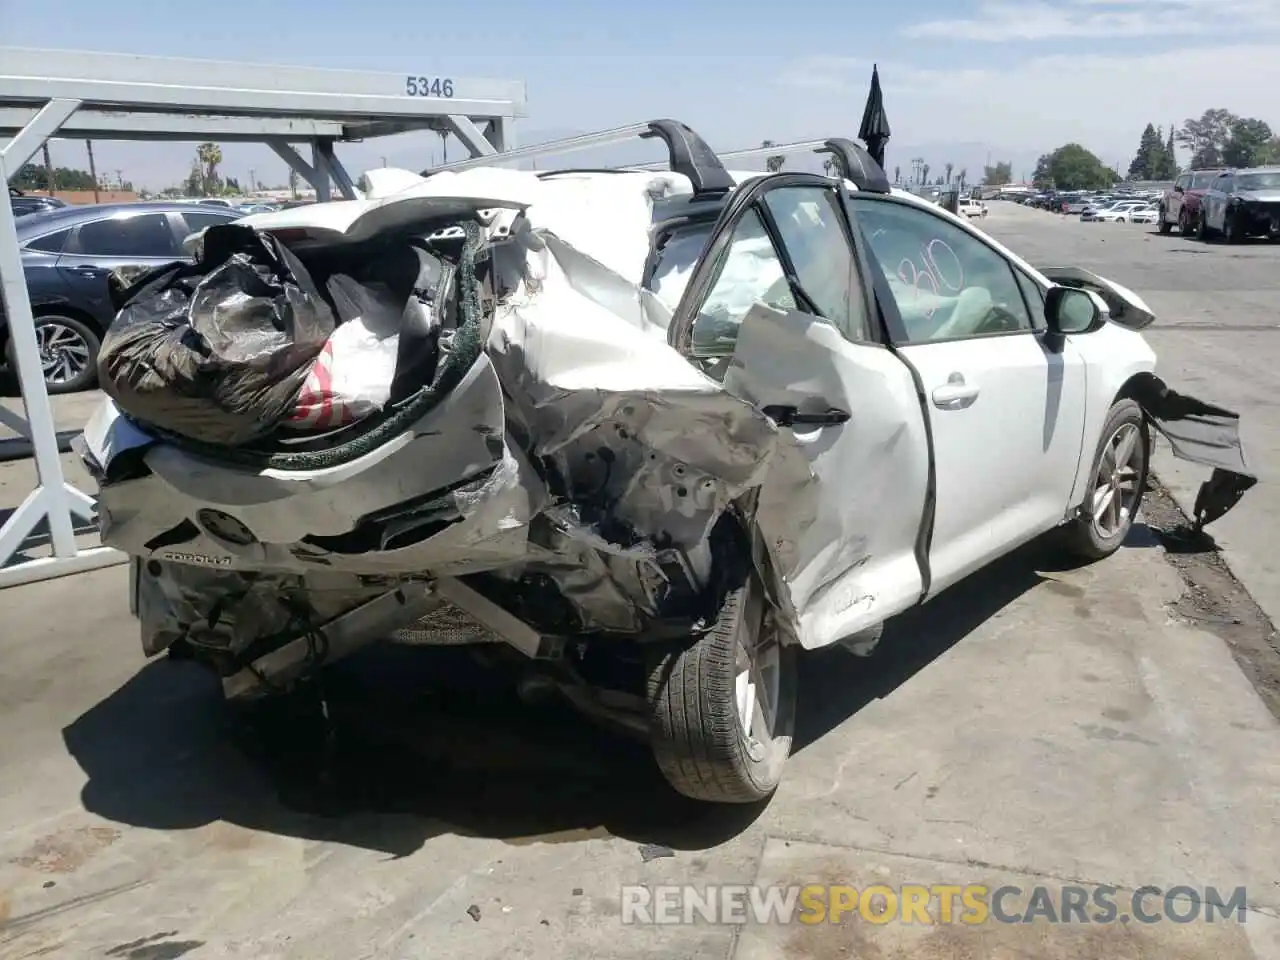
(1199, 432)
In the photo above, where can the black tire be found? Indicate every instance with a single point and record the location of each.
(1185, 226)
(87, 377)
(1202, 228)
(698, 740)
(1163, 225)
(1082, 536)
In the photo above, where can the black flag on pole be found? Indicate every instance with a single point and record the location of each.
(874, 131)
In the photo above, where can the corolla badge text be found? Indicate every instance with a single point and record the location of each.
(197, 558)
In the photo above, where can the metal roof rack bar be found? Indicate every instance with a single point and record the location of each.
(687, 153)
(852, 161)
(554, 147)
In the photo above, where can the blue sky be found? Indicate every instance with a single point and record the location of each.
(962, 78)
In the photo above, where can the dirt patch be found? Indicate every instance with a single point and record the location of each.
(1213, 599)
(67, 850)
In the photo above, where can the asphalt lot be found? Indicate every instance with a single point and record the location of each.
(1035, 725)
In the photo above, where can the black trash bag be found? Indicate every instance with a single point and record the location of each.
(217, 350)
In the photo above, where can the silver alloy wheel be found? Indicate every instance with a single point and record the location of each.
(64, 353)
(1115, 489)
(757, 686)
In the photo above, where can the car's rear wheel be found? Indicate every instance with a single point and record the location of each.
(722, 708)
(1185, 225)
(1202, 227)
(68, 353)
(1116, 485)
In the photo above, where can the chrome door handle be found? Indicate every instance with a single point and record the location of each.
(955, 394)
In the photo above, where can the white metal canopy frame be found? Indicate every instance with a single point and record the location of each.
(121, 97)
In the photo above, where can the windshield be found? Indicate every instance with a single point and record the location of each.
(1258, 181)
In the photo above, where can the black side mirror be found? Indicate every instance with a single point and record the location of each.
(1179, 190)
(1071, 311)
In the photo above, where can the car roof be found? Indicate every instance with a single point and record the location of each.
(70, 216)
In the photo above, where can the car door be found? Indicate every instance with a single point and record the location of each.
(1006, 406)
(1215, 200)
(778, 310)
(141, 239)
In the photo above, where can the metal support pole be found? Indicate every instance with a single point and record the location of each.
(53, 499)
(498, 132)
(328, 160)
(322, 183)
(93, 170)
(469, 136)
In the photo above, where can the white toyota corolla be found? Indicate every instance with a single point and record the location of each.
(694, 422)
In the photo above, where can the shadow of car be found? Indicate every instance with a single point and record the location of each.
(426, 741)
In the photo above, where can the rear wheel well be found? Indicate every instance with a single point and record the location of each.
(62, 310)
(58, 310)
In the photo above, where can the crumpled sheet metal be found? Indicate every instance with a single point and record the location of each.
(627, 421)
(643, 448)
(177, 604)
(1203, 433)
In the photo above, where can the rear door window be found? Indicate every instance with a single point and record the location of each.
(51, 243)
(141, 236)
(197, 221)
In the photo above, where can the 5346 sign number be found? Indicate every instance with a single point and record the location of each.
(428, 87)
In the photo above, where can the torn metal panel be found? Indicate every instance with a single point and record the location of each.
(1200, 432)
(847, 489)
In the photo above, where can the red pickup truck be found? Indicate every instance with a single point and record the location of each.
(1181, 203)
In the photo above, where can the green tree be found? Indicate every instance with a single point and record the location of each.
(1149, 159)
(193, 186)
(998, 175)
(31, 176)
(1169, 164)
(209, 156)
(924, 174)
(1207, 137)
(963, 177)
(1072, 167)
(948, 168)
(1248, 136)
(1159, 157)
(1268, 154)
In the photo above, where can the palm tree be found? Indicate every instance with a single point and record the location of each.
(828, 165)
(964, 176)
(924, 174)
(210, 157)
(949, 167)
(897, 174)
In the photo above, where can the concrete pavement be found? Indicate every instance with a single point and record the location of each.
(1217, 336)
(1034, 725)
